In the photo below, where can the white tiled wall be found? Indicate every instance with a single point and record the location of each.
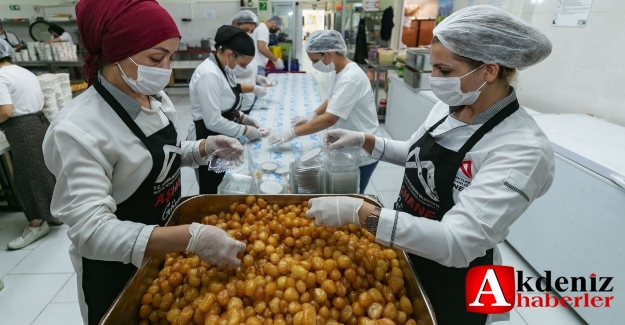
(586, 71)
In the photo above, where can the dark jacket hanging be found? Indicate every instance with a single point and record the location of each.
(360, 53)
(387, 24)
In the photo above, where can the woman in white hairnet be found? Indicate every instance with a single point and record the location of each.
(350, 105)
(473, 167)
(247, 21)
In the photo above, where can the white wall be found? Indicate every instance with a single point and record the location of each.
(585, 72)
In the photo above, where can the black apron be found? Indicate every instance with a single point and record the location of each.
(152, 204)
(209, 180)
(427, 192)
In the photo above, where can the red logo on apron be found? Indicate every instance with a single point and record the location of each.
(466, 169)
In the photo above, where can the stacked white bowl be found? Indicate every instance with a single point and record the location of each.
(47, 82)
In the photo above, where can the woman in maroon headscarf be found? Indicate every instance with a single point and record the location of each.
(116, 155)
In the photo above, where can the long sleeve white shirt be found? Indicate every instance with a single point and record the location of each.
(98, 163)
(500, 177)
(515, 154)
(211, 95)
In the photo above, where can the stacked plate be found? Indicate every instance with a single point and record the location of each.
(32, 50)
(307, 173)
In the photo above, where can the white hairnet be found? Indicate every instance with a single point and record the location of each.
(322, 41)
(491, 35)
(278, 20)
(245, 16)
(5, 49)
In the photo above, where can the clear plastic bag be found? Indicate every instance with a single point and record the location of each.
(242, 179)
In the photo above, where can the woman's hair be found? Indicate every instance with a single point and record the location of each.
(6, 59)
(505, 73)
(57, 29)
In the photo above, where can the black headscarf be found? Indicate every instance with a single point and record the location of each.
(57, 29)
(235, 39)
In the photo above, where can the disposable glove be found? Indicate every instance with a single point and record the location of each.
(299, 120)
(334, 211)
(279, 64)
(263, 81)
(339, 138)
(214, 246)
(260, 91)
(225, 147)
(252, 133)
(248, 120)
(283, 137)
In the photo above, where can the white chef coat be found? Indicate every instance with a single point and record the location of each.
(65, 37)
(516, 151)
(351, 99)
(10, 37)
(211, 95)
(261, 33)
(248, 78)
(98, 162)
(20, 88)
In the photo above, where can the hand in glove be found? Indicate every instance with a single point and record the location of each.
(248, 120)
(252, 133)
(213, 245)
(283, 137)
(339, 138)
(334, 211)
(299, 120)
(226, 147)
(279, 64)
(260, 91)
(263, 81)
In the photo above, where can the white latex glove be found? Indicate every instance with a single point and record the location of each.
(339, 138)
(334, 211)
(260, 91)
(248, 120)
(279, 64)
(226, 147)
(299, 120)
(283, 137)
(263, 81)
(252, 133)
(214, 246)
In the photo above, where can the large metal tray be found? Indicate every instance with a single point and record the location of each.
(125, 309)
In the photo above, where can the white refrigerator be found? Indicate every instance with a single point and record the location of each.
(578, 227)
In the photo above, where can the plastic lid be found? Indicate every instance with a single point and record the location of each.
(271, 187)
(310, 154)
(269, 166)
(282, 170)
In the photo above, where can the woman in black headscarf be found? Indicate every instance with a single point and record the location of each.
(59, 35)
(216, 97)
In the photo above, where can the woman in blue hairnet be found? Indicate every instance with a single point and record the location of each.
(475, 165)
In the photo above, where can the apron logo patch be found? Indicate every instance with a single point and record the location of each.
(170, 157)
(466, 169)
(427, 180)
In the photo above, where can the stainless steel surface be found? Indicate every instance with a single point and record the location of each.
(414, 79)
(125, 309)
(419, 59)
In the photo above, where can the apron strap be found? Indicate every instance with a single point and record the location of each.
(488, 126)
(119, 109)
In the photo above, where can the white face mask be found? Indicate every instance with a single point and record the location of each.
(150, 80)
(237, 71)
(320, 66)
(448, 90)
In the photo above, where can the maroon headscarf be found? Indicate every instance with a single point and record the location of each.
(112, 30)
